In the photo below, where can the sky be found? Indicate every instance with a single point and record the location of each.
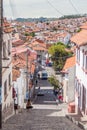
(43, 8)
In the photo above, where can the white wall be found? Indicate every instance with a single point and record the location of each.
(81, 75)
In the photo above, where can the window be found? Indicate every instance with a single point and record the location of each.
(83, 59)
(9, 49)
(78, 55)
(9, 80)
(86, 62)
(5, 88)
(4, 50)
(84, 99)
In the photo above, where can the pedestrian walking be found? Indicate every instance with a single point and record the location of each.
(28, 105)
(60, 97)
(36, 82)
(38, 76)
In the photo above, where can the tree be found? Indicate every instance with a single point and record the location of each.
(54, 28)
(32, 34)
(54, 82)
(60, 43)
(26, 34)
(58, 55)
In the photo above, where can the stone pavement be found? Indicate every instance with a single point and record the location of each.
(47, 114)
(78, 120)
(41, 117)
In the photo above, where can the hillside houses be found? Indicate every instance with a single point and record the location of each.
(46, 30)
(21, 53)
(24, 61)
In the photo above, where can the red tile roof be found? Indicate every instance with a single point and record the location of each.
(7, 26)
(19, 62)
(15, 74)
(80, 38)
(84, 26)
(38, 45)
(70, 62)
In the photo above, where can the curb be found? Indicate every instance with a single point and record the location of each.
(3, 121)
(81, 125)
(78, 123)
(72, 119)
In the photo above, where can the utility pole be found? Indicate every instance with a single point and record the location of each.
(27, 73)
(1, 42)
(27, 80)
(27, 85)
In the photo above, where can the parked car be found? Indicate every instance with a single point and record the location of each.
(50, 64)
(44, 75)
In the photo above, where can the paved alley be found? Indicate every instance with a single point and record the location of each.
(45, 115)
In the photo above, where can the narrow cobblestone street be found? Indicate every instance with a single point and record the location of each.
(45, 115)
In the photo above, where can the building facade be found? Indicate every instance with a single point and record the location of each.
(7, 100)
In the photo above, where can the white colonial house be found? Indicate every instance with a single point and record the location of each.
(69, 80)
(20, 89)
(80, 40)
(7, 100)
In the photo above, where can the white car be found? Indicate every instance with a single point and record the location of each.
(44, 75)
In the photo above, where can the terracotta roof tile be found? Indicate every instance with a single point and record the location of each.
(70, 62)
(38, 45)
(15, 74)
(84, 26)
(80, 38)
(19, 61)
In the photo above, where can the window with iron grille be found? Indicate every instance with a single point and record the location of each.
(9, 48)
(86, 62)
(5, 88)
(9, 80)
(78, 55)
(4, 50)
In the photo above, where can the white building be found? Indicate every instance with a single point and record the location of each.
(20, 88)
(80, 40)
(69, 80)
(7, 100)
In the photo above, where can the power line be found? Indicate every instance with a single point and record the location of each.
(13, 10)
(55, 8)
(74, 7)
(10, 3)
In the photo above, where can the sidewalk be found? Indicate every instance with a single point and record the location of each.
(78, 120)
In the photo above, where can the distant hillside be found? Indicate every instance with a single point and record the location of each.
(73, 16)
(41, 19)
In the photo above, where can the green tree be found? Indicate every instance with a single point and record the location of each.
(54, 28)
(60, 43)
(54, 82)
(26, 34)
(58, 55)
(32, 34)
